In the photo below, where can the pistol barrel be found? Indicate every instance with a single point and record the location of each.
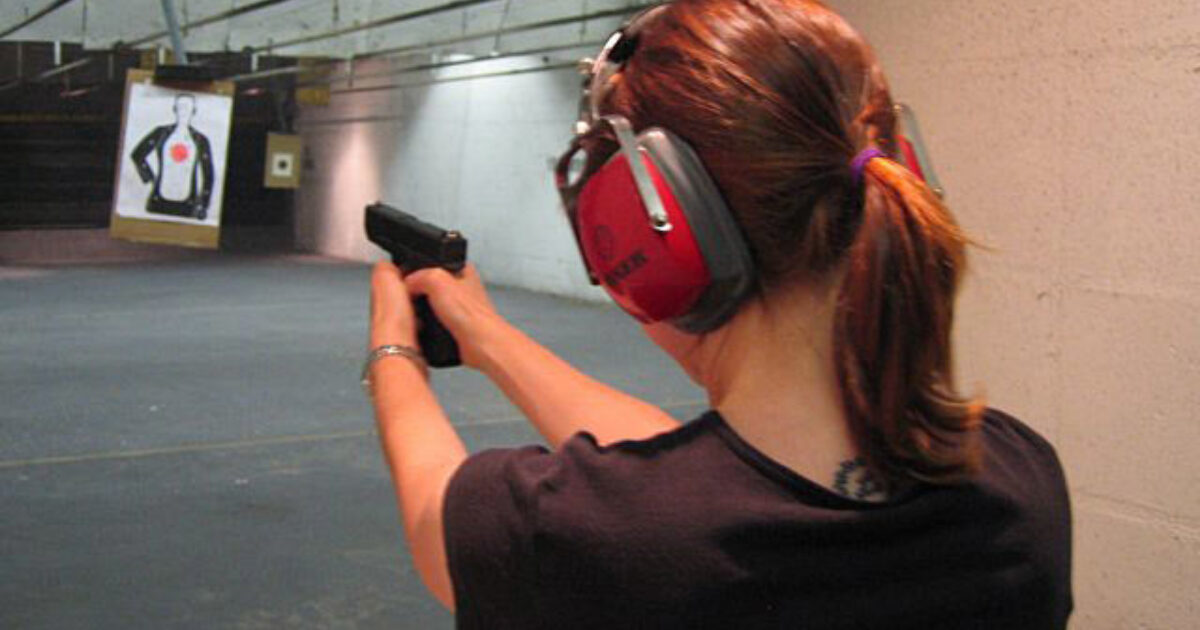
(414, 244)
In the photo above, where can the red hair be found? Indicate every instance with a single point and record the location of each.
(777, 97)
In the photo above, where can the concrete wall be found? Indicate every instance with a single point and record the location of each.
(474, 155)
(1065, 132)
(99, 24)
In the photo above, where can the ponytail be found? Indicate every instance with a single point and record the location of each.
(774, 95)
(892, 333)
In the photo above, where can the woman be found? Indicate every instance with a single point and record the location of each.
(838, 481)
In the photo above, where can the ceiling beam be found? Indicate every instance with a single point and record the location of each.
(481, 75)
(168, 7)
(384, 21)
(442, 42)
(633, 7)
(71, 67)
(450, 64)
(64, 69)
(531, 26)
(212, 19)
(46, 10)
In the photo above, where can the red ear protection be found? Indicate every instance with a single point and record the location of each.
(658, 236)
(650, 222)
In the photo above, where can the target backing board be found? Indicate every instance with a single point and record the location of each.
(284, 159)
(171, 161)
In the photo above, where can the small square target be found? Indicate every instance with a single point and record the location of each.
(284, 161)
(283, 165)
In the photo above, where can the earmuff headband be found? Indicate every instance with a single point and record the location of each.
(602, 70)
(646, 190)
(615, 52)
(651, 225)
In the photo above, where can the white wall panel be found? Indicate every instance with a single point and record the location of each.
(1065, 134)
(472, 155)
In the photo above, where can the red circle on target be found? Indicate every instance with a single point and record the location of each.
(179, 152)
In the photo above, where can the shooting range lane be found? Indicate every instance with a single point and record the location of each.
(184, 444)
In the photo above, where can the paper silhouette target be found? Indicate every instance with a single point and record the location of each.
(174, 166)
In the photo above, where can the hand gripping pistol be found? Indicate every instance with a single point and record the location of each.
(416, 245)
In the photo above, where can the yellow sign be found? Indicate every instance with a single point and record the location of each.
(311, 88)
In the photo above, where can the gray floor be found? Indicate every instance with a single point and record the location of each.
(184, 444)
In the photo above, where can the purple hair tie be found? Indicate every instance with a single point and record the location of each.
(860, 161)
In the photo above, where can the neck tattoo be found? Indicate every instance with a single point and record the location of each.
(855, 480)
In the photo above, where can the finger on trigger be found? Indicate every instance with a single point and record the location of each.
(420, 282)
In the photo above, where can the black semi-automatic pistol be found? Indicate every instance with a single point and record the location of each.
(416, 245)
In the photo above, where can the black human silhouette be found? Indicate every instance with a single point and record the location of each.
(183, 182)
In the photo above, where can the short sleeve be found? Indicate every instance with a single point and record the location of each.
(489, 518)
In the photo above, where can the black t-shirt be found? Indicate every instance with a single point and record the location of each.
(697, 529)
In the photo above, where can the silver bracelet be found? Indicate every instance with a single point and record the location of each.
(408, 352)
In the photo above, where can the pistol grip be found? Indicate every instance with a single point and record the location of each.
(437, 344)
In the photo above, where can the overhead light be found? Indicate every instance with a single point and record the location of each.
(77, 92)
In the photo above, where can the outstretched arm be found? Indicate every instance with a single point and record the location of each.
(421, 448)
(558, 399)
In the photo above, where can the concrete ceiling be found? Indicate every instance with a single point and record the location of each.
(327, 28)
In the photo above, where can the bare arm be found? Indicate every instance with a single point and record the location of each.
(558, 399)
(421, 448)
